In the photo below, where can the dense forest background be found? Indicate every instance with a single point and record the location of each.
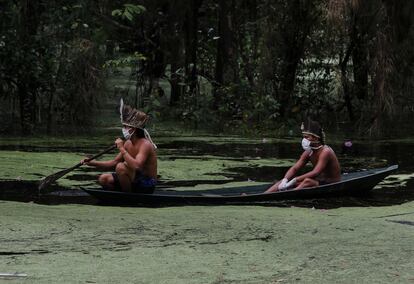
(226, 64)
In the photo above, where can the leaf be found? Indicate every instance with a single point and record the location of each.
(116, 12)
(128, 15)
(135, 9)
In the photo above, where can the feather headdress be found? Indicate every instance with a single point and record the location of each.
(134, 118)
(313, 128)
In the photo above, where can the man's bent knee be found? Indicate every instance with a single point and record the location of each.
(308, 182)
(121, 169)
(106, 180)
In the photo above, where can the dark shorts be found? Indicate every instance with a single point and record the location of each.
(141, 183)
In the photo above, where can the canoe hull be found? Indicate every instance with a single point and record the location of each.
(351, 184)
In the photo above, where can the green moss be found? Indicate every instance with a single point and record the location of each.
(229, 244)
(400, 180)
(210, 167)
(51, 142)
(239, 244)
(32, 166)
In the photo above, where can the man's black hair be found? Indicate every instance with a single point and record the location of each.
(139, 133)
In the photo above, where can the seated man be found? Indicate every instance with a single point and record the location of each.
(136, 164)
(326, 167)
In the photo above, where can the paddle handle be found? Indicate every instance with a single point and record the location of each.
(94, 157)
(100, 154)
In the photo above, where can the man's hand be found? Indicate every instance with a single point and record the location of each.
(282, 184)
(291, 183)
(285, 184)
(86, 161)
(120, 144)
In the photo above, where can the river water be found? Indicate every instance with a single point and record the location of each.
(279, 242)
(179, 152)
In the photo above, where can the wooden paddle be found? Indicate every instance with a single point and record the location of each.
(45, 182)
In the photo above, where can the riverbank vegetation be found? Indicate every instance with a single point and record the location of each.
(207, 63)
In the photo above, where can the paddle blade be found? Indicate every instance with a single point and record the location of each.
(54, 177)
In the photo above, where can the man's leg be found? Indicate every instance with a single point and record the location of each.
(307, 182)
(273, 188)
(106, 181)
(125, 175)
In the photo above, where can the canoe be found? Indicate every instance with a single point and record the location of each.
(355, 183)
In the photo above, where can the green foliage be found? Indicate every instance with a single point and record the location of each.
(129, 11)
(267, 63)
(47, 72)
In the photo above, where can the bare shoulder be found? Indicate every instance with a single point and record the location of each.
(305, 155)
(145, 145)
(328, 151)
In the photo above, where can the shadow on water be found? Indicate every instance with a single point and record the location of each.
(27, 191)
(386, 196)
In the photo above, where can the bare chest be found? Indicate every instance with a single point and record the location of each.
(314, 158)
(133, 149)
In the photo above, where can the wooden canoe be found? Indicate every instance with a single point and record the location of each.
(354, 183)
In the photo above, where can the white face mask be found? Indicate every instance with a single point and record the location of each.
(125, 132)
(306, 144)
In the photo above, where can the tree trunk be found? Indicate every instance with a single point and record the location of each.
(364, 18)
(225, 60)
(53, 90)
(175, 84)
(247, 41)
(360, 69)
(27, 84)
(174, 33)
(297, 29)
(191, 43)
(345, 83)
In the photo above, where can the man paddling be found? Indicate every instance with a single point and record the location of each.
(136, 164)
(326, 167)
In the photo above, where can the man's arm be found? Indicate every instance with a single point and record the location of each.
(318, 169)
(104, 165)
(297, 166)
(139, 160)
(290, 173)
